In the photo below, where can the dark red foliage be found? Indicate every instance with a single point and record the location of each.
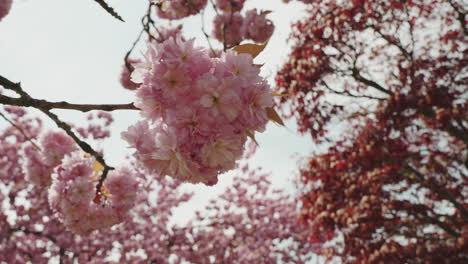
(392, 76)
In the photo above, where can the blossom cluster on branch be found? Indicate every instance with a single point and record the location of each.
(199, 110)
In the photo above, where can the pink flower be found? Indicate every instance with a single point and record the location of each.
(165, 33)
(177, 9)
(256, 99)
(125, 76)
(227, 28)
(219, 97)
(37, 172)
(80, 191)
(55, 146)
(73, 192)
(166, 156)
(241, 66)
(198, 109)
(257, 27)
(223, 153)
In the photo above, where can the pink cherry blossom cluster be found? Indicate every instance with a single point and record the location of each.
(232, 28)
(199, 110)
(125, 74)
(5, 6)
(177, 9)
(257, 27)
(72, 195)
(40, 164)
(162, 34)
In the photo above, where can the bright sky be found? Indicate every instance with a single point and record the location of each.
(73, 51)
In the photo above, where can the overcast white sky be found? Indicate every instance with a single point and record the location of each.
(73, 51)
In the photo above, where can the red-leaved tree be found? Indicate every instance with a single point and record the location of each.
(384, 84)
(61, 201)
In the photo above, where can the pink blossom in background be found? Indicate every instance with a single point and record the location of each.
(257, 27)
(165, 33)
(5, 6)
(228, 28)
(177, 9)
(198, 110)
(127, 70)
(37, 172)
(230, 5)
(72, 195)
(55, 146)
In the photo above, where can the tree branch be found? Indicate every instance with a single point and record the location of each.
(357, 75)
(397, 44)
(109, 9)
(347, 93)
(442, 192)
(43, 104)
(461, 17)
(21, 131)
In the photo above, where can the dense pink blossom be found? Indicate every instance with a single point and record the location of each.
(228, 28)
(73, 195)
(177, 9)
(5, 6)
(127, 70)
(55, 146)
(257, 27)
(37, 172)
(165, 33)
(41, 162)
(230, 5)
(199, 110)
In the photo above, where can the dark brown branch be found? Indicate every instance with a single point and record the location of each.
(127, 55)
(357, 75)
(67, 128)
(347, 93)
(461, 17)
(109, 9)
(397, 44)
(45, 107)
(43, 104)
(440, 190)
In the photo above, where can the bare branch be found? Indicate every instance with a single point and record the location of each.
(357, 75)
(43, 104)
(395, 43)
(347, 93)
(109, 9)
(461, 16)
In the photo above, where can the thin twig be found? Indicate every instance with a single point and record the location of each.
(347, 93)
(127, 64)
(83, 145)
(109, 9)
(39, 103)
(21, 131)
